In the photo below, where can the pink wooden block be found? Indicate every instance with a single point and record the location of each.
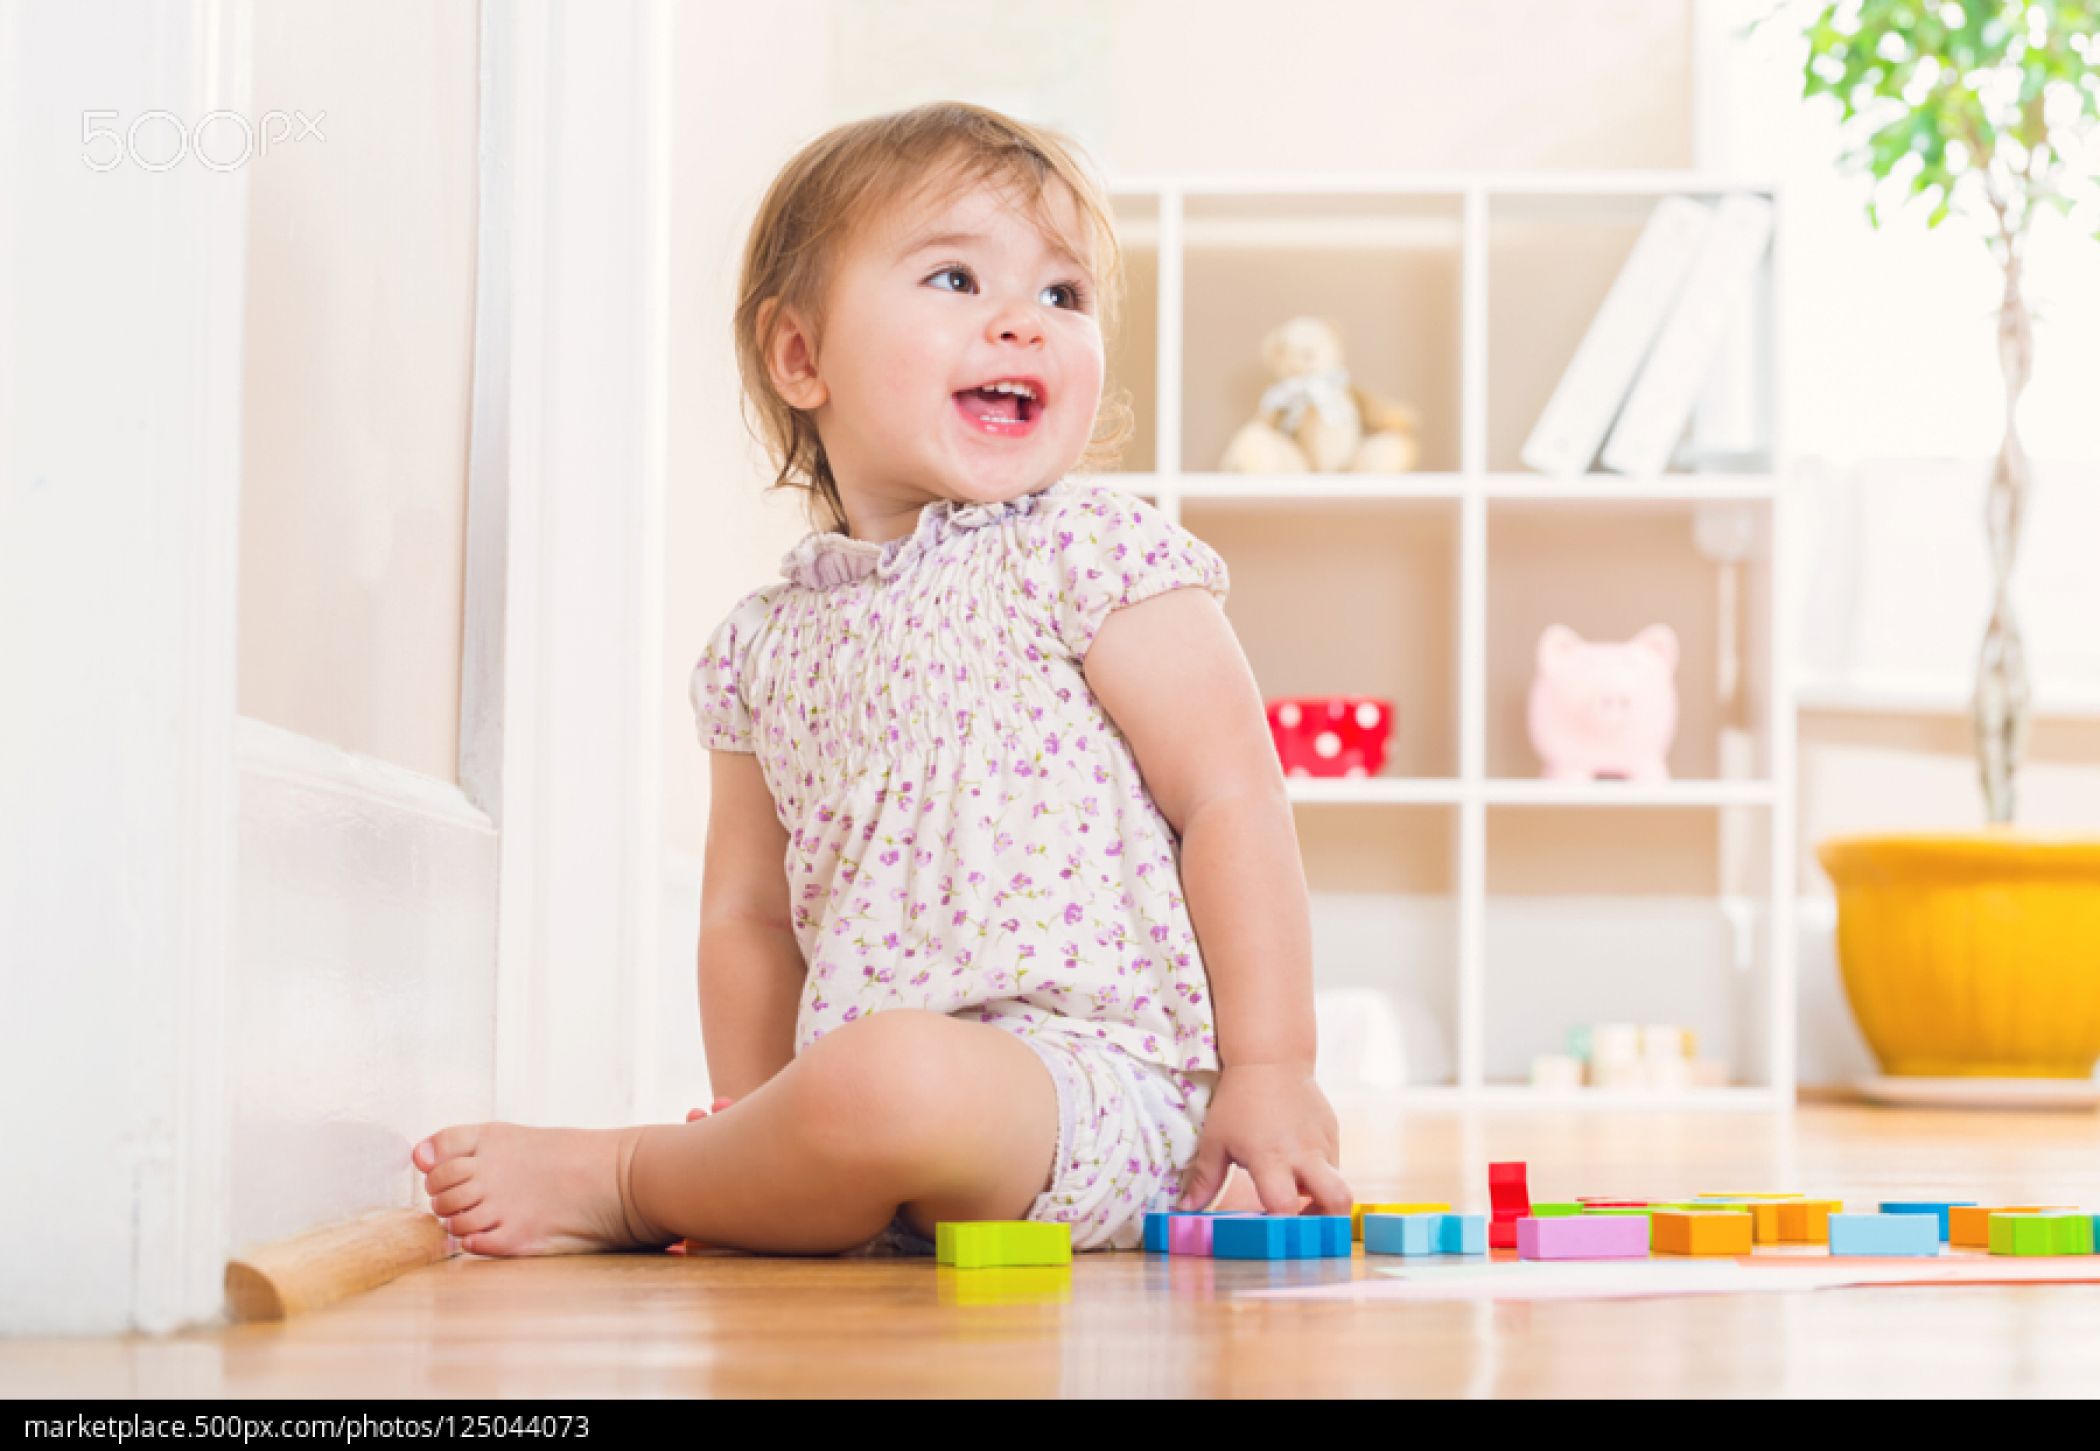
(1192, 1235)
(1584, 1237)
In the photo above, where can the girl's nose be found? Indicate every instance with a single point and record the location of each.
(1018, 322)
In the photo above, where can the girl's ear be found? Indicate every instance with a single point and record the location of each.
(791, 358)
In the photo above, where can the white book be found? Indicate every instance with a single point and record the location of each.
(1568, 434)
(1660, 405)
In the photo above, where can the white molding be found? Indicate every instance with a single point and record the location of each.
(562, 738)
(262, 749)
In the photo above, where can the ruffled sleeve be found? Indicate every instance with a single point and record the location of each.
(716, 689)
(1102, 549)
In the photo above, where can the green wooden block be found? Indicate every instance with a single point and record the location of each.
(2041, 1234)
(984, 1244)
(1555, 1211)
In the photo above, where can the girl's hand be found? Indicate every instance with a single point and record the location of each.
(699, 1113)
(1272, 1120)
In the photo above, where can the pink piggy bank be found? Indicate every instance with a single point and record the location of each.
(1605, 711)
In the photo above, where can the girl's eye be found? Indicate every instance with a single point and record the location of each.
(1077, 291)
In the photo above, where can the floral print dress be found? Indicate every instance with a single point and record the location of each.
(968, 830)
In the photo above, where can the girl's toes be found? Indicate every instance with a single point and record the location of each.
(456, 1201)
(448, 1175)
(452, 1143)
(476, 1221)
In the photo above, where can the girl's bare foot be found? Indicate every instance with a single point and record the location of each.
(503, 1189)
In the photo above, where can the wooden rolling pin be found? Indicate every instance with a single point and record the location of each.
(292, 1276)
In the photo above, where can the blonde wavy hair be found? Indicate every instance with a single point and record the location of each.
(857, 171)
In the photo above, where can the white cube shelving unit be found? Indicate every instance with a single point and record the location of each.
(1441, 251)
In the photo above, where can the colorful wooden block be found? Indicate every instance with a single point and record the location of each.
(1280, 1237)
(1764, 1215)
(1555, 1211)
(1884, 1234)
(2041, 1234)
(1190, 1234)
(981, 1244)
(1358, 1211)
(1425, 1234)
(1701, 1232)
(1509, 1190)
(1159, 1231)
(1969, 1225)
(1808, 1222)
(1583, 1237)
(1464, 1234)
(1403, 1234)
(1940, 1210)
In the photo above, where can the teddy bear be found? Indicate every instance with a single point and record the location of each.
(1313, 420)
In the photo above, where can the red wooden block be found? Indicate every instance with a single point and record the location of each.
(1509, 1190)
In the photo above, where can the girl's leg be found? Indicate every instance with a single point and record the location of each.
(903, 1110)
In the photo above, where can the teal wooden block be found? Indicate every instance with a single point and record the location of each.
(1403, 1234)
(1425, 1234)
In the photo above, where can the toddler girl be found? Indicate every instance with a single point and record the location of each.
(989, 764)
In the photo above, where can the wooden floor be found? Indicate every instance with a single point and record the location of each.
(1131, 1325)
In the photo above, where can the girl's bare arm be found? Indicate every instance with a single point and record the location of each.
(751, 970)
(1170, 672)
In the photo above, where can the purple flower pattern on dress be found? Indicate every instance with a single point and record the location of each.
(969, 832)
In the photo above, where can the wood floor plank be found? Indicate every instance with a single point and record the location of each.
(1130, 1325)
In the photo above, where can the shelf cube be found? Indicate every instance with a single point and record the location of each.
(1884, 1234)
(981, 1244)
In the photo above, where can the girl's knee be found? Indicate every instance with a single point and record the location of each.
(878, 1086)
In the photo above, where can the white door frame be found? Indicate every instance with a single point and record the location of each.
(561, 731)
(119, 516)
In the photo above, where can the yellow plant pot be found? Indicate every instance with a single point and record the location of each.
(1971, 956)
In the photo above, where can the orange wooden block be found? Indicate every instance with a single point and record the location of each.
(1969, 1226)
(1807, 1222)
(1701, 1232)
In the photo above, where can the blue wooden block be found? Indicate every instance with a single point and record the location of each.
(1884, 1234)
(1280, 1237)
(1938, 1209)
(1337, 1235)
(1463, 1234)
(1402, 1234)
(1252, 1238)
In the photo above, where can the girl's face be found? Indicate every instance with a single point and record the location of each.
(927, 306)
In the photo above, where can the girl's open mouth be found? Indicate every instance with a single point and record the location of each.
(1002, 415)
